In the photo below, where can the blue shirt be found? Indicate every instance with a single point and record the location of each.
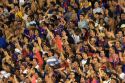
(82, 24)
(3, 42)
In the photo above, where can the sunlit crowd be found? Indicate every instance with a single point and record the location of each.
(62, 41)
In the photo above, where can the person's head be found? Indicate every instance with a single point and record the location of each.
(120, 33)
(57, 36)
(123, 39)
(101, 38)
(96, 15)
(91, 66)
(72, 75)
(22, 77)
(39, 80)
(110, 2)
(71, 24)
(107, 76)
(84, 31)
(34, 62)
(27, 59)
(111, 22)
(95, 60)
(61, 80)
(17, 32)
(15, 23)
(68, 48)
(79, 56)
(86, 66)
(91, 25)
(92, 33)
(102, 53)
(36, 33)
(16, 8)
(82, 80)
(35, 44)
(31, 32)
(28, 18)
(123, 16)
(101, 21)
(119, 69)
(22, 67)
(25, 39)
(72, 1)
(63, 33)
(114, 80)
(1, 10)
(93, 75)
(106, 12)
(117, 44)
(40, 16)
(29, 11)
(50, 52)
(92, 40)
(69, 8)
(68, 69)
(114, 2)
(82, 16)
(36, 16)
(75, 64)
(27, 80)
(96, 4)
(17, 72)
(84, 55)
(111, 50)
(45, 48)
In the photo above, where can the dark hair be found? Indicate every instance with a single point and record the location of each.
(115, 1)
(83, 15)
(1, 33)
(116, 80)
(91, 22)
(52, 51)
(9, 81)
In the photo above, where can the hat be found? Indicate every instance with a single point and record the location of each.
(17, 51)
(122, 26)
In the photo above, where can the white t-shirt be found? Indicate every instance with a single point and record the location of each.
(107, 81)
(122, 76)
(25, 17)
(5, 74)
(84, 62)
(21, 2)
(76, 38)
(97, 10)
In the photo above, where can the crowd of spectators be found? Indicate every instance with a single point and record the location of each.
(62, 41)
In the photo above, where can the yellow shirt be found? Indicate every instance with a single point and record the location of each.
(19, 14)
(81, 4)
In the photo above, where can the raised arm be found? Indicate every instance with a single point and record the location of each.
(94, 48)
